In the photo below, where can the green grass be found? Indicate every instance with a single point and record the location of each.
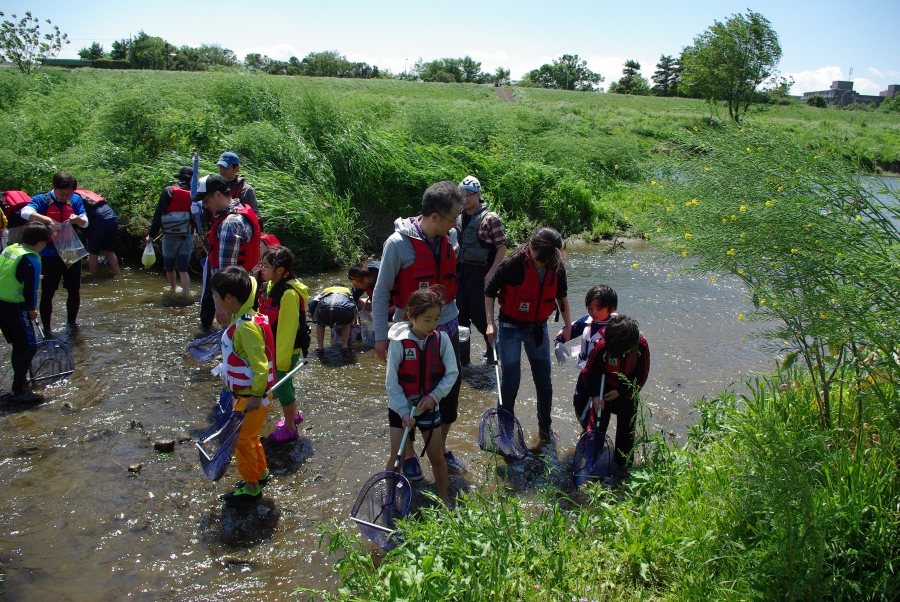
(363, 151)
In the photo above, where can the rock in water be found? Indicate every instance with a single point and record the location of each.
(184, 436)
(165, 446)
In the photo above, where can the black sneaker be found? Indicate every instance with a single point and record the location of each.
(454, 464)
(263, 480)
(549, 436)
(26, 398)
(242, 497)
(412, 470)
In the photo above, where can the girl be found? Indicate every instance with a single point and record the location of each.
(421, 370)
(283, 301)
(531, 284)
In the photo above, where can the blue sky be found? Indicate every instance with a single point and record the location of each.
(821, 40)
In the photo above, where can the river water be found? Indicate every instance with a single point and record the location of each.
(75, 526)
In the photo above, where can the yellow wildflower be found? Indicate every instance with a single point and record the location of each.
(823, 316)
(749, 150)
(659, 229)
(740, 316)
(616, 167)
(815, 156)
(635, 265)
(625, 218)
(684, 253)
(769, 203)
(695, 129)
(733, 217)
(762, 301)
(669, 208)
(742, 129)
(741, 271)
(688, 235)
(730, 252)
(796, 171)
(724, 220)
(713, 278)
(858, 218)
(780, 188)
(743, 207)
(705, 169)
(809, 225)
(669, 276)
(653, 182)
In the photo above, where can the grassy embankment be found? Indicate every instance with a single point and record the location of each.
(334, 161)
(791, 492)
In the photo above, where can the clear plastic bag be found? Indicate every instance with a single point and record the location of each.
(367, 328)
(149, 256)
(68, 245)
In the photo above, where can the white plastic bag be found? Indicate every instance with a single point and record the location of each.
(149, 256)
(68, 245)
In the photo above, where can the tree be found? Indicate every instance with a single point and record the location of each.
(501, 77)
(22, 44)
(150, 52)
(566, 73)
(632, 81)
(817, 100)
(730, 60)
(119, 51)
(91, 53)
(449, 70)
(255, 62)
(667, 76)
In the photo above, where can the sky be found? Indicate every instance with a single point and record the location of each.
(821, 41)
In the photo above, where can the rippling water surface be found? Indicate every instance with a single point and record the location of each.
(75, 526)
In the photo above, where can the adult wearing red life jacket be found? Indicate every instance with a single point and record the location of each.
(173, 218)
(232, 240)
(419, 254)
(52, 208)
(531, 284)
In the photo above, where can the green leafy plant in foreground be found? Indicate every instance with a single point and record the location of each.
(815, 247)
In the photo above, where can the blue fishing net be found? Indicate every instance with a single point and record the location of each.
(500, 432)
(51, 364)
(205, 348)
(594, 457)
(216, 446)
(384, 499)
(224, 404)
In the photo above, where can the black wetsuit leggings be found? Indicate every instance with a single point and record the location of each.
(54, 269)
(19, 334)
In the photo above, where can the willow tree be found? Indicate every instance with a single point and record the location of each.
(730, 60)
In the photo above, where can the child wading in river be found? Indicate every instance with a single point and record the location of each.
(248, 369)
(283, 301)
(421, 370)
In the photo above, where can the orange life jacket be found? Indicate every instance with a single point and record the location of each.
(426, 271)
(532, 301)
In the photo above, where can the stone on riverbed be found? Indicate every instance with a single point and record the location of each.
(165, 446)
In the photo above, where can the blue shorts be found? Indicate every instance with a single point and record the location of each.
(177, 251)
(102, 235)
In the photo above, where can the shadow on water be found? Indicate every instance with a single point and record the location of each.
(240, 528)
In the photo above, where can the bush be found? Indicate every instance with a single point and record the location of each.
(817, 100)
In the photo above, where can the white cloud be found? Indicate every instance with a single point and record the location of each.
(867, 86)
(279, 52)
(813, 81)
(894, 73)
(876, 72)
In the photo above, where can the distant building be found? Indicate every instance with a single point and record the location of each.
(841, 93)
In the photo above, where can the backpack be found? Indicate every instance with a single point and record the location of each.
(12, 202)
(90, 199)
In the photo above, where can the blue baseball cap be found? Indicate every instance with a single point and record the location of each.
(470, 184)
(229, 159)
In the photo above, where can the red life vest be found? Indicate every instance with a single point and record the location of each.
(426, 271)
(270, 307)
(618, 368)
(235, 370)
(181, 201)
(248, 255)
(59, 212)
(532, 301)
(421, 371)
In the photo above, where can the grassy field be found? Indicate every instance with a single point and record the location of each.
(335, 161)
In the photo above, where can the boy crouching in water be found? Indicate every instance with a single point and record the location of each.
(248, 369)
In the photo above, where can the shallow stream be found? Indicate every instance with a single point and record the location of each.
(74, 525)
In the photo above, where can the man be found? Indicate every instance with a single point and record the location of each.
(419, 254)
(229, 166)
(20, 271)
(52, 208)
(173, 217)
(233, 239)
(482, 245)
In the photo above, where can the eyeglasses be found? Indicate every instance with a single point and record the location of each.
(451, 220)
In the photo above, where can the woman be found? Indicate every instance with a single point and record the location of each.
(531, 285)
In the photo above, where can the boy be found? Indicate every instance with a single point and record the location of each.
(20, 272)
(624, 357)
(248, 369)
(333, 306)
(601, 302)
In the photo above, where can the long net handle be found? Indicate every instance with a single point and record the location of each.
(286, 377)
(590, 404)
(497, 373)
(403, 442)
(40, 330)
